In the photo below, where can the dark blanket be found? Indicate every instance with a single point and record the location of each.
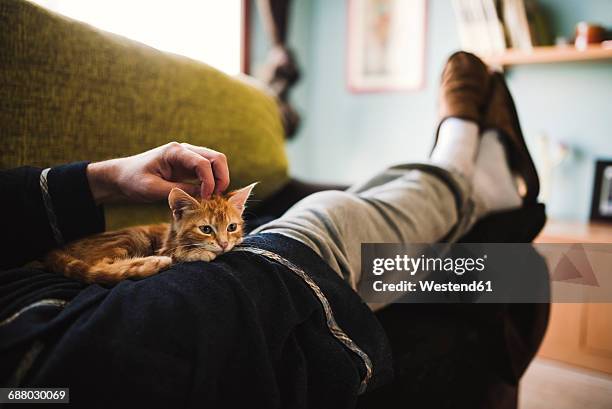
(242, 331)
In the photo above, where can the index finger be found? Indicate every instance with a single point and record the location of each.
(198, 164)
(219, 165)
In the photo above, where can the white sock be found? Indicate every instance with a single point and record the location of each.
(457, 146)
(494, 186)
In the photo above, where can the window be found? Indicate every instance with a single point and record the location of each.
(205, 30)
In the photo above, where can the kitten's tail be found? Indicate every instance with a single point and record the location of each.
(107, 270)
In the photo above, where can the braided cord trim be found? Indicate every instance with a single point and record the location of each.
(333, 326)
(48, 302)
(44, 189)
(29, 358)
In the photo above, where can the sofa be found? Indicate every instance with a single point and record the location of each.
(71, 92)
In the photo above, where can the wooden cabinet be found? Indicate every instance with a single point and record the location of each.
(579, 334)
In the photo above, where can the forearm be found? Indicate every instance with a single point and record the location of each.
(102, 177)
(39, 216)
(44, 209)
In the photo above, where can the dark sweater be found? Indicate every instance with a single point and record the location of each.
(242, 330)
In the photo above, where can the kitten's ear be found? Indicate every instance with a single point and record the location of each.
(238, 198)
(180, 201)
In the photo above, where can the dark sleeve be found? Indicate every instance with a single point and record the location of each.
(36, 217)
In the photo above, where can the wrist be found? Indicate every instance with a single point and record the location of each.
(102, 178)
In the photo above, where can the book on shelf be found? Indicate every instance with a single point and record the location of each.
(480, 29)
(539, 27)
(517, 25)
(496, 28)
(488, 27)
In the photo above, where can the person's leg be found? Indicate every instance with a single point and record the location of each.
(412, 203)
(406, 204)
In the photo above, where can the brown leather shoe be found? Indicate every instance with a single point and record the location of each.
(464, 88)
(501, 115)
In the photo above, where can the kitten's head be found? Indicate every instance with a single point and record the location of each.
(213, 225)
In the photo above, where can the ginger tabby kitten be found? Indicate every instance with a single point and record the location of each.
(198, 231)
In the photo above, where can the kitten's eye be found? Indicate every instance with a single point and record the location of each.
(206, 229)
(232, 227)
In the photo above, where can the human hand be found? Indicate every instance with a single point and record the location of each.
(151, 175)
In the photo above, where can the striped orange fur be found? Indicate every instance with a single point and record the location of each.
(199, 231)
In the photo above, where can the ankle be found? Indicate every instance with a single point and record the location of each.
(456, 146)
(494, 184)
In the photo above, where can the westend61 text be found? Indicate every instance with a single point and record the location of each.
(432, 286)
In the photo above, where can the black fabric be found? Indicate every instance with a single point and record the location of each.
(77, 214)
(241, 331)
(441, 359)
(513, 332)
(210, 335)
(26, 234)
(475, 353)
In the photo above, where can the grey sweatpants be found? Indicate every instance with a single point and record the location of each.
(414, 203)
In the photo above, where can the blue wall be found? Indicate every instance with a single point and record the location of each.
(346, 137)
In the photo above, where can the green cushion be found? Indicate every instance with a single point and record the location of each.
(71, 92)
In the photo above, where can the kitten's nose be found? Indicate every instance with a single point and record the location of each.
(223, 244)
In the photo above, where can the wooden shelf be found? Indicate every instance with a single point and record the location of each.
(546, 55)
(561, 231)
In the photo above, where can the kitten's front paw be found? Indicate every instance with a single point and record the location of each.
(202, 255)
(208, 256)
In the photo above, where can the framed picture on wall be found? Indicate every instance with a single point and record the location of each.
(386, 45)
(601, 207)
